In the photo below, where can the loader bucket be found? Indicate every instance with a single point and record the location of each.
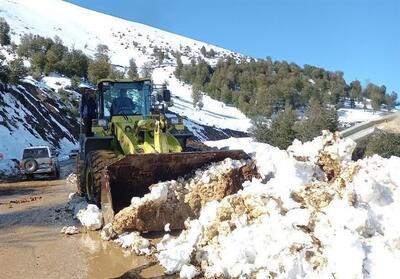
(132, 175)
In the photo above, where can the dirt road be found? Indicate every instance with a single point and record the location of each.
(31, 246)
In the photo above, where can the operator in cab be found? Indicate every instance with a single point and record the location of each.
(122, 104)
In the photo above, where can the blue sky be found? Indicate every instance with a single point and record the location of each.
(359, 37)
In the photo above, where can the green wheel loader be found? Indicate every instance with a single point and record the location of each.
(135, 144)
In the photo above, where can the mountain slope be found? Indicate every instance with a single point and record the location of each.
(85, 29)
(32, 115)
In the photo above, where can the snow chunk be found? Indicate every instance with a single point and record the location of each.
(188, 272)
(134, 242)
(69, 230)
(91, 217)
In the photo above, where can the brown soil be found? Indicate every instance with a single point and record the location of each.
(31, 245)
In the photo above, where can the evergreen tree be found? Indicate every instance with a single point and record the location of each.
(132, 70)
(390, 101)
(376, 94)
(203, 51)
(5, 38)
(17, 70)
(4, 70)
(280, 132)
(100, 67)
(384, 144)
(317, 118)
(179, 67)
(75, 63)
(147, 70)
(355, 90)
(116, 74)
(197, 97)
(54, 56)
(38, 62)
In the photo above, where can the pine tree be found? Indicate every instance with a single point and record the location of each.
(17, 70)
(317, 118)
(147, 70)
(74, 63)
(280, 132)
(4, 70)
(390, 101)
(5, 38)
(100, 67)
(203, 51)
(179, 67)
(132, 70)
(376, 94)
(355, 91)
(197, 97)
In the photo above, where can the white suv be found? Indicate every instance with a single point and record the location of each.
(39, 160)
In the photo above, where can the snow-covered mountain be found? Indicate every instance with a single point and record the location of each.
(84, 29)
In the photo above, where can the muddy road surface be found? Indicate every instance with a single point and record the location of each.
(32, 214)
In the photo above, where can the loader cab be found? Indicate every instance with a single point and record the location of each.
(123, 98)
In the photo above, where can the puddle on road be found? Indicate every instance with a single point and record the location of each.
(105, 259)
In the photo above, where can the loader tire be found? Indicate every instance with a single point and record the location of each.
(80, 177)
(96, 161)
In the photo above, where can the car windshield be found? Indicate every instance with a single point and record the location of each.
(35, 153)
(124, 99)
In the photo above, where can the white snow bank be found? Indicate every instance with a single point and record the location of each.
(316, 214)
(213, 113)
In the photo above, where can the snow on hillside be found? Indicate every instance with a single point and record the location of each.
(214, 113)
(32, 114)
(85, 29)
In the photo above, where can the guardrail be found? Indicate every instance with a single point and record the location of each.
(367, 125)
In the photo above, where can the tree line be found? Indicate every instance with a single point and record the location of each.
(47, 55)
(285, 101)
(263, 87)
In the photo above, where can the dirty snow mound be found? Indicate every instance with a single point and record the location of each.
(174, 201)
(315, 214)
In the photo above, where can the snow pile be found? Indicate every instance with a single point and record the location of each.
(135, 243)
(315, 214)
(69, 230)
(174, 201)
(91, 217)
(75, 203)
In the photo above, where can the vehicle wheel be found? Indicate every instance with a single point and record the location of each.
(80, 177)
(96, 161)
(30, 165)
